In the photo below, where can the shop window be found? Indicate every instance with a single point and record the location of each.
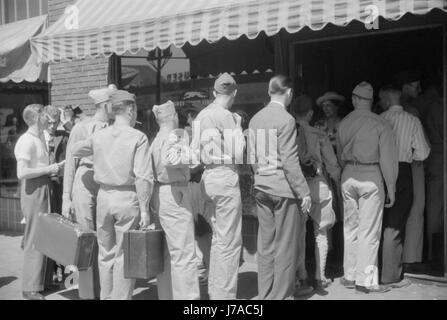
(16, 10)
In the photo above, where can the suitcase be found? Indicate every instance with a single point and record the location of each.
(143, 254)
(64, 241)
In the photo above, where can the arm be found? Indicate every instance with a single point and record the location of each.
(330, 159)
(24, 172)
(339, 150)
(70, 162)
(83, 149)
(288, 151)
(419, 143)
(142, 171)
(389, 158)
(234, 139)
(252, 159)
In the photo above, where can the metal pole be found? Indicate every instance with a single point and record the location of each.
(158, 96)
(445, 147)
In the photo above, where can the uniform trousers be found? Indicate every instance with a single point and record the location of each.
(278, 244)
(221, 186)
(364, 199)
(180, 279)
(394, 225)
(118, 212)
(85, 192)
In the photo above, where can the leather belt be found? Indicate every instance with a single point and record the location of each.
(357, 163)
(172, 184)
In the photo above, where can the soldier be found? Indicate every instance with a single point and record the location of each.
(172, 200)
(367, 149)
(80, 189)
(121, 165)
(218, 139)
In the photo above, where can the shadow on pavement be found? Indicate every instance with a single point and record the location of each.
(70, 295)
(4, 281)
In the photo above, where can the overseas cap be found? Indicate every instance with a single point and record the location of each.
(102, 95)
(364, 90)
(121, 96)
(164, 110)
(225, 84)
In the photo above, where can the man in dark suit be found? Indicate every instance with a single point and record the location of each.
(282, 194)
(56, 143)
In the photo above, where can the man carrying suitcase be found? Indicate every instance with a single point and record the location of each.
(80, 190)
(121, 165)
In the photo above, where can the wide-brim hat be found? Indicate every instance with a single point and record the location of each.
(330, 96)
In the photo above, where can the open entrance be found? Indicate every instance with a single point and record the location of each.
(338, 64)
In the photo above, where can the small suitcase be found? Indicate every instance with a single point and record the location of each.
(64, 241)
(143, 254)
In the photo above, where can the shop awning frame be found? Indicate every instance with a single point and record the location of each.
(93, 28)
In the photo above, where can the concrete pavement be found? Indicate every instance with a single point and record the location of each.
(11, 269)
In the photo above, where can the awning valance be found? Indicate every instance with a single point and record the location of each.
(102, 27)
(17, 62)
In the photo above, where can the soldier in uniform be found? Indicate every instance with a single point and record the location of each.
(121, 165)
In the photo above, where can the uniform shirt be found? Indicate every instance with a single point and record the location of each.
(332, 134)
(273, 153)
(120, 159)
(317, 149)
(366, 137)
(219, 140)
(170, 167)
(80, 132)
(410, 138)
(32, 149)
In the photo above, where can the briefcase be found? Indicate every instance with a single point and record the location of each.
(143, 254)
(64, 241)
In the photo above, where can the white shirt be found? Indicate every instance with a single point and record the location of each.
(32, 149)
(410, 138)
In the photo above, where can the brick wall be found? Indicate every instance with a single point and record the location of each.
(72, 81)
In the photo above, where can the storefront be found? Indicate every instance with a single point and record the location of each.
(173, 49)
(23, 81)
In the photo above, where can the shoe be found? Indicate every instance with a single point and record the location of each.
(399, 285)
(347, 283)
(303, 289)
(33, 296)
(322, 284)
(375, 289)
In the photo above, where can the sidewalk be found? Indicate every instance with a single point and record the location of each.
(11, 269)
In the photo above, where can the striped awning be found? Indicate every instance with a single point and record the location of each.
(102, 27)
(17, 62)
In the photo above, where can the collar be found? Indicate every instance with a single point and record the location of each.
(396, 108)
(279, 103)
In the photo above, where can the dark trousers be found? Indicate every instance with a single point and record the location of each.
(394, 225)
(278, 237)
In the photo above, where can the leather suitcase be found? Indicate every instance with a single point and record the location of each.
(64, 241)
(143, 254)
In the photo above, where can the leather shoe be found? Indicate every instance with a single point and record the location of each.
(375, 289)
(347, 283)
(33, 296)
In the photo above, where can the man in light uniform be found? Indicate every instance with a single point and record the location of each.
(80, 189)
(172, 201)
(121, 164)
(413, 147)
(367, 150)
(218, 139)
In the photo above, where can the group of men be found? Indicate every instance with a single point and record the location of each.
(115, 181)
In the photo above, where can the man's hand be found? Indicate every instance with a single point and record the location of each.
(391, 200)
(306, 204)
(145, 223)
(53, 169)
(67, 207)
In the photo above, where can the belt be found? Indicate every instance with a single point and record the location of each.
(215, 166)
(172, 184)
(118, 188)
(357, 163)
(87, 165)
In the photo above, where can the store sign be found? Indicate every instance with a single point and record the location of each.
(3, 61)
(178, 77)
